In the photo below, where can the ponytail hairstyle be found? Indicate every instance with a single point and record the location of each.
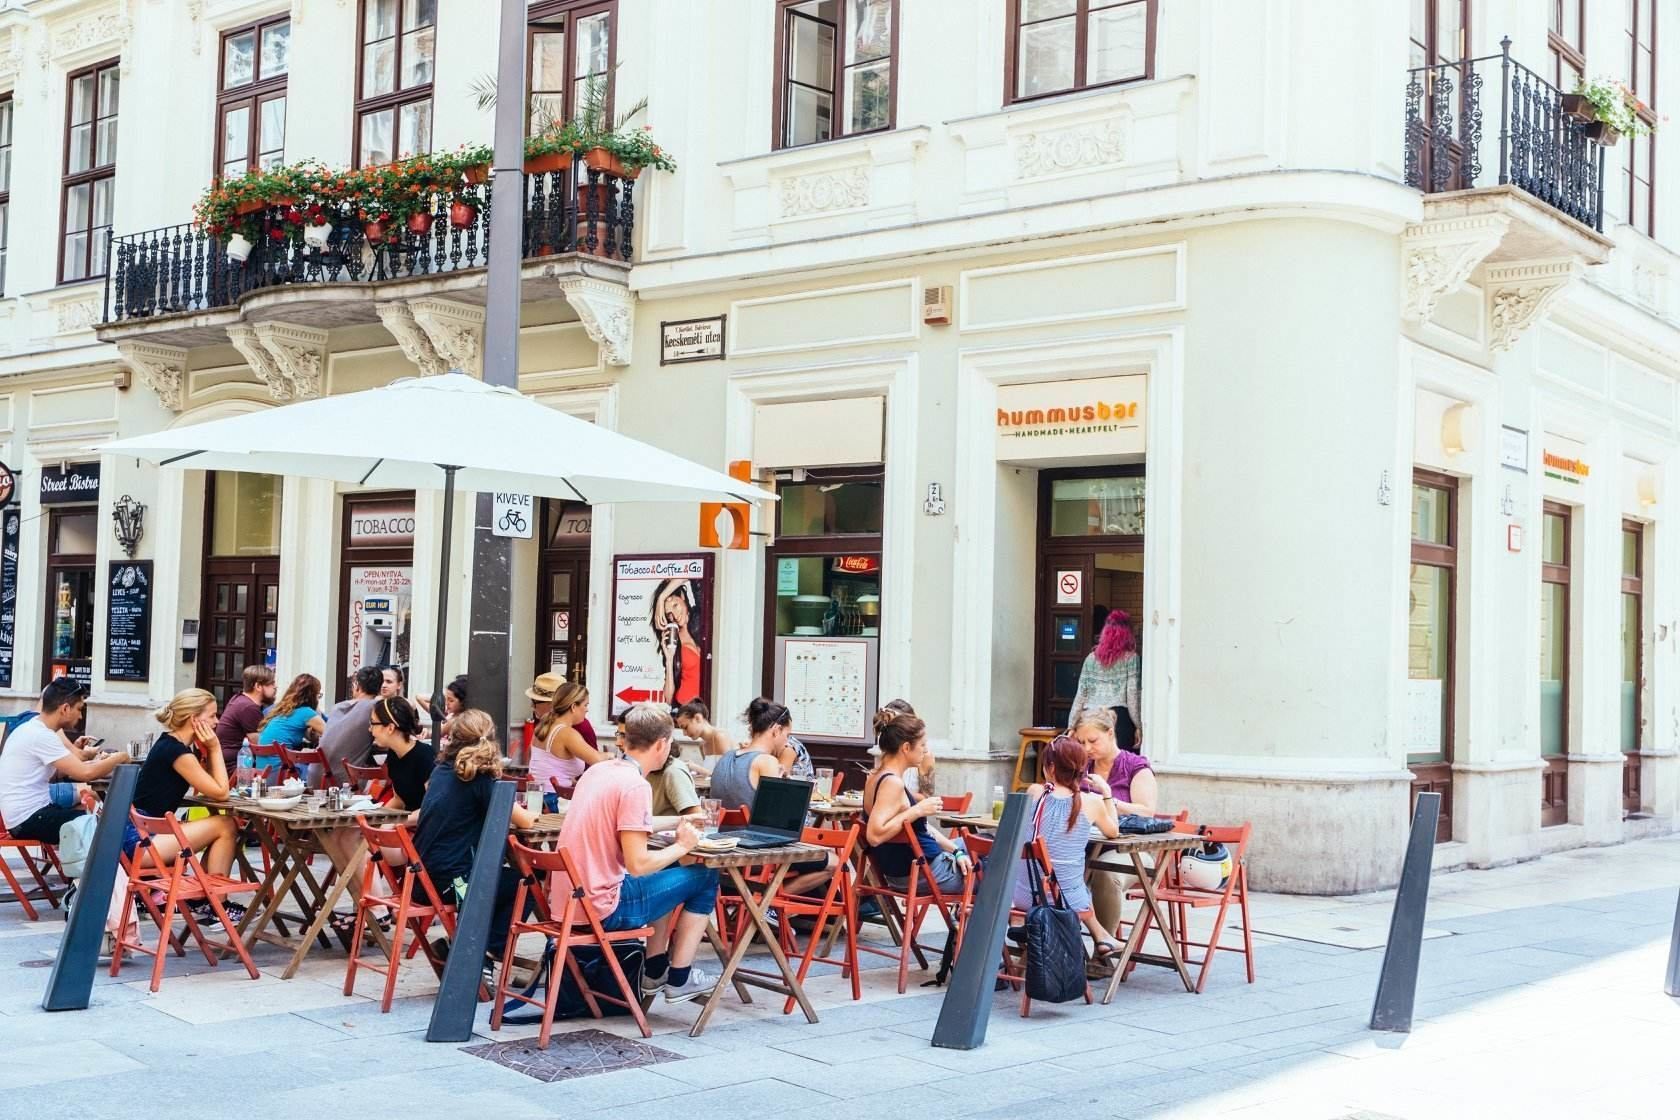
(183, 708)
(565, 699)
(397, 712)
(764, 714)
(472, 746)
(1065, 760)
(889, 711)
(895, 730)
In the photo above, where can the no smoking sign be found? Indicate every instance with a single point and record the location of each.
(1070, 588)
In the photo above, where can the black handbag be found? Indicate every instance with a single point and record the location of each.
(1138, 824)
(593, 964)
(1055, 947)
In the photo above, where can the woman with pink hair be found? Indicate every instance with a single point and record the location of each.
(1111, 679)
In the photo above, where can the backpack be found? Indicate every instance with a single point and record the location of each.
(1053, 937)
(75, 842)
(593, 964)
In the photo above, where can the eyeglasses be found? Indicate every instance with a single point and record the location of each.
(76, 687)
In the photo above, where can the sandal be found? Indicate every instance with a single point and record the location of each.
(1105, 950)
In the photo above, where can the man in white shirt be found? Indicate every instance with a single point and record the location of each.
(35, 753)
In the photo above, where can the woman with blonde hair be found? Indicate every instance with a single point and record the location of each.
(187, 756)
(558, 749)
(452, 817)
(1124, 777)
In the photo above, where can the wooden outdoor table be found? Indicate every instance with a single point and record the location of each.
(290, 837)
(545, 833)
(826, 811)
(1135, 847)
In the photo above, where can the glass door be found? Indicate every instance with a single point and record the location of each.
(563, 623)
(1554, 665)
(1633, 662)
(1429, 641)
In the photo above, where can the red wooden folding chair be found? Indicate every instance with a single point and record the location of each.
(908, 908)
(296, 760)
(271, 758)
(955, 803)
(577, 925)
(838, 902)
(181, 882)
(1179, 897)
(1036, 851)
(407, 894)
(28, 849)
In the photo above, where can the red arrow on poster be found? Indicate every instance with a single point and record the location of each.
(635, 695)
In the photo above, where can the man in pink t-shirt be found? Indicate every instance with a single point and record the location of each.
(625, 882)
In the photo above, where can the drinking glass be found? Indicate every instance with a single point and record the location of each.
(825, 781)
(712, 807)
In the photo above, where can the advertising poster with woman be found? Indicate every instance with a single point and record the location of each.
(662, 632)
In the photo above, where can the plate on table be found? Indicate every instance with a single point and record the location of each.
(280, 804)
(716, 845)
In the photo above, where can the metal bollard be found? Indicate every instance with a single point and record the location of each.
(968, 998)
(1672, 987)
(457, 997)
(71, 984)
(1397, 986)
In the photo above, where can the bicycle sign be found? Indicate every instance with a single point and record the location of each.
(511, 515)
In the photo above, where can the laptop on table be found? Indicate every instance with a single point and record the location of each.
(778, 814)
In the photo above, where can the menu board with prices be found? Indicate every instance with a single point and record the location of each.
(828, 684)
(128, 626)
(9, 526)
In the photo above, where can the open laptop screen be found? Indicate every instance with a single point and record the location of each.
(781, 804)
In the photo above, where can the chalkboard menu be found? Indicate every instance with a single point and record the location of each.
(128, 627)
(9, 519)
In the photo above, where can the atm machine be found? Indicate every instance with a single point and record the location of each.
(379, 631)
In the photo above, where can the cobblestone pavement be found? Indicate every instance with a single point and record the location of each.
(1540, 995)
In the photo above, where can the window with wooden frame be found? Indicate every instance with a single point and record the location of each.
(570, 56)
(1556, 550)
(5, 181)
(836, 69)
(251, 96)
(394, 64)
(1633, 658)
(1056, 46)
(90, 170)
(1431, 634)
(1566, 37)
(1641, 171)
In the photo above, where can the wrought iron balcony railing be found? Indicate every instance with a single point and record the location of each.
(181, 268)
(1542, 149)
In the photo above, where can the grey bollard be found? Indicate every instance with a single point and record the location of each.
(1397, 986)
(1672, 987)
(968, 997)
(457, 997)
(71, 984)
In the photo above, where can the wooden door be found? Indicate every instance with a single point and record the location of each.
(563, 627)
(238, 621)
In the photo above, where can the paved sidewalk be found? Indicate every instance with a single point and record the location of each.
(1540, 996)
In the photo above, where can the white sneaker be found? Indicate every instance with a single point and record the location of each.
(700, 983)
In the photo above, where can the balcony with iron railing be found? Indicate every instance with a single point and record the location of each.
(158, 277)
(1543, 150)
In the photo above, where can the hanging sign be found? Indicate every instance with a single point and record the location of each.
(691, 340)
(128, 624)
(1070, 588)
(662, 634)
(9, 524)
(381, 524)
(857, 565)
(78, 482)
(511, 515)
(8, 484)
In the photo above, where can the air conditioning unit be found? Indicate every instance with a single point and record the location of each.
(936, 304)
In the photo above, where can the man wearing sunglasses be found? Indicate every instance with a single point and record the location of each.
(35, 754)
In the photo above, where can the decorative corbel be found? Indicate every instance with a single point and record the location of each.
(1518, 294)
(416, 344)
(300, 356)
(454, 330)
(262, 363)
(162, 368)
(607, 313)
(1437, 257)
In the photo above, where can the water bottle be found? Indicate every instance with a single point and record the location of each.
(244, 765)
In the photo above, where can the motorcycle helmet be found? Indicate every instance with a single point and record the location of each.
(1207, 868)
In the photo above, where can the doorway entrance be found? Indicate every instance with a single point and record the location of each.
(563, 591)
(241, 605)
(1090, 562)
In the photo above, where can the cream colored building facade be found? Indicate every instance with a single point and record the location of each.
(1219, 241)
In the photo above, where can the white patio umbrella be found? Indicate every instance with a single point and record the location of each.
(443, 432)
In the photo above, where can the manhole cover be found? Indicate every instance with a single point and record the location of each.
(44, 962)
(573, 1054)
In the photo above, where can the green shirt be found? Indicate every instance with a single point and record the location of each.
(673, 789)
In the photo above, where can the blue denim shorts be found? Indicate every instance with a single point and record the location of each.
(644, 899)
(63, 794)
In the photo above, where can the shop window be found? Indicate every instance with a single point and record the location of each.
(1431, 597)
(1555, 554)
(376, 584)
(72, 537)
(835, 63)
(819, 509)
(245, 519)
(1062, 45)
(1633, 660)
(1097, 507)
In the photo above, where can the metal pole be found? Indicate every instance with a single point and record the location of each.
(1397, 984)
(968, 998)
(71, 983)
(1672, 985)
(492, 602)
(1505, 111)
(436, 689)
(457, 998)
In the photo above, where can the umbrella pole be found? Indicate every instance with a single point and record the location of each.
(443, 600)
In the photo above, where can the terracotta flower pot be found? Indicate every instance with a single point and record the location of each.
(1601, 133)
(420, 223)
(478, 173)
(373, 231)
(549, 161)
(462, 215)
(594, 199)
(249, 206)
(1576, 105)
(283, 200)
(599, 159)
